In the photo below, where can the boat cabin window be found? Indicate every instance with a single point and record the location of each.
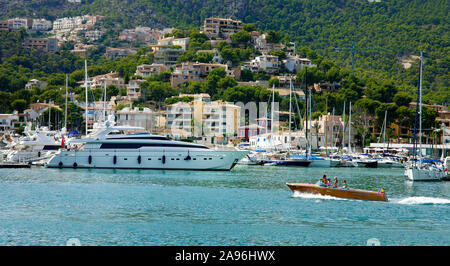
(140, 145)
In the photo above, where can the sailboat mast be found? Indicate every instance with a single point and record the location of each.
(350, 128)
(104, 105)
(49, 114)
(420, 108)
(332, 129)
(65, 111)
(290, 109)
(272, 111)
(86, 94)
(384, 130)
(307, 116)
(343, 129)
(326, 126)
(310, 131)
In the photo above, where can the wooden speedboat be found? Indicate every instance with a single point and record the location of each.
(338, 192)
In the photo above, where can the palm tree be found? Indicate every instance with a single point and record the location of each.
(316, 127)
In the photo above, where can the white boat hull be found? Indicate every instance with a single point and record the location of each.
(134, 159)
(416, 174)
(334, 163)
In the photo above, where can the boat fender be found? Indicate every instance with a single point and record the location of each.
(188, 157)
(60, 164)
(139, 159)
(163, 159)
(90, 159)
(75, 165)
(115, 159)
(39, 154)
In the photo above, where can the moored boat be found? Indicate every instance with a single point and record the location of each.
(114, 148)
(338, 192)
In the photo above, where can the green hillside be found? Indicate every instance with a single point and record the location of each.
(384, 32)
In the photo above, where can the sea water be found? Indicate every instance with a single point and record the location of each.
(250, 205)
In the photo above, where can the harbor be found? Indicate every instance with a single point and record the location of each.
(249, 205)
(247, 125)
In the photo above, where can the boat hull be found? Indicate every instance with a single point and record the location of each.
(368, 164)
(290, 163)
(320, 163)
(415, 174)
(344, 163)
(338, 193)
(390, 165)
(161, 160)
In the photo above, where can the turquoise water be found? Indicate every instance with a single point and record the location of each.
(250, 205)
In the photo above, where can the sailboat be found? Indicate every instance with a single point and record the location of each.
(288, 159)
(418, 171)
(313, 161)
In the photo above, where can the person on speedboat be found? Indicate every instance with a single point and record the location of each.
(323, 182)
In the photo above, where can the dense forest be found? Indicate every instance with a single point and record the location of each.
(382, 33)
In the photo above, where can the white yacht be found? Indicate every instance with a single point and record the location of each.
(389, 163)
(425, 173)
(113, 148)
(36, 145)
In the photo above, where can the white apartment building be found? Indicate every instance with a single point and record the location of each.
(93, 35)
(188, 71)
(265, 47)
(133, 89)
(136, 118)
(100, 81)
(66, 23)
(34, 83)
(146, 71)
(183, 42)
(203, 117)
(7, 122)
(267, 63)
(70, 23)
(221, 28)
(41, 25)
(296, 63)
(145, 34)
(278, 141)
(17, 23)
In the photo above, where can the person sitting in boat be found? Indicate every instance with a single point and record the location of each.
(328, 182)
(344, 186)
(335, 185)
(323, 182)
